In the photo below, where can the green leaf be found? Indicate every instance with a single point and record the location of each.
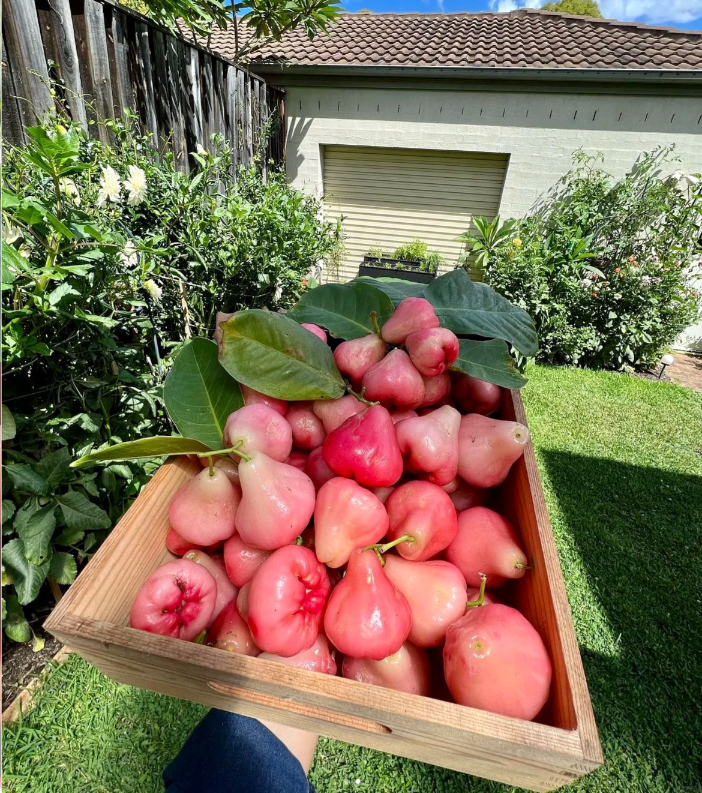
(121, 470)
(63, 568)
(12, 263)
(61, 291)
(344, 309)
(490, 361)
(395, 288)
(274, 355)
(36, 534)
(4, 610)
(14, 621)
(27, 578)
(9, 428)
(24, 513)
(199, 394)
(69, 537)
(53, 466)
(8, 509)
(475, 309)
(80, 513)
(9, 199)
(159, 446)
(25, 479)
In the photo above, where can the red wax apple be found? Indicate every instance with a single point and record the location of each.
(486, 543)
(297, 459)
(487, 448)
(334, 412)
(465, 496)
(436, 593)
(406, 670)
(347, 516)
(317, 658)
(429, 444)
(176, 600)
(203, 511)
(259, 428)
(367, 616)
(476, 396)
(413, 313)
(320, 333)
(432, 350)
(241, 560)
(317, 470)
(252, 397)
(226, 591)
(436, 389)
(307, 430)
(242, 602)
(231, 633)
(286, 601)
(394, 382)
(277, 502)
(365, 448)
(425, 512)
(355, 357)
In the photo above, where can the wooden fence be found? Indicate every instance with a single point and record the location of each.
(109, 58)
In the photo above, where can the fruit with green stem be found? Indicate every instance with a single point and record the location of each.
(259, 428)
(204, 510)
(487, 448)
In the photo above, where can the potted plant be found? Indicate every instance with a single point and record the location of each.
(410, 262)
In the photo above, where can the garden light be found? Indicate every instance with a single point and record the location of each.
(666, 360)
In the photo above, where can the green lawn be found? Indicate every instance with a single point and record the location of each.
(621, 460)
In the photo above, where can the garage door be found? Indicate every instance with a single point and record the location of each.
(391, 196)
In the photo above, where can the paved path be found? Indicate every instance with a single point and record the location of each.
(687, 371)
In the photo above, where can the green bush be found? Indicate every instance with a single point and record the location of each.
(603, 267)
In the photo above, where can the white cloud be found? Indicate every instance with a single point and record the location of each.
(441, 4)
(653, 11)
(513, 5)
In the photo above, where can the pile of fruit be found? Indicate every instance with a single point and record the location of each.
(358, 535)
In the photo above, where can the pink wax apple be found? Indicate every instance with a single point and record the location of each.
(487, 448)
(277, 502)
(486, 543)
(317, 470)
(297, 459)
(355, 357)
(401, 415)
(307, 429)
(365, 448)
(413, 313)
(429, 444)
(436, 593)
(259, 428)
(367, 616)
(179, 546)
(226, 591)
(317, 658)
(241, 560)
(436, 389)
(203, 511)
(176, 600)
(465, 496)
(286, 601)
(495, 660)
(242, 602)
(424, 511)
(334, 412)
(476, 396)
(320, 333)
(347, 516)
(252, 397)
(394, 382)
(406, 670)
(231, 633)
(226, 464)
(383, 493)
(432, 350)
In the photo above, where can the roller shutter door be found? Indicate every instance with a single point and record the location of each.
(390, 196)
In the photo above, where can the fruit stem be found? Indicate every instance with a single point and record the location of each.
(232, 450)
(200, 638)
(481, 594)
(376, 327)
(298, 540)
(362, 396)
(211, 464)
(381, 549)
(521, 566)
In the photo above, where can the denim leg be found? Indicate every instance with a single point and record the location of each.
(229, 753)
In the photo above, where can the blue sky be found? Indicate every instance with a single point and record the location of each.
(672, 13)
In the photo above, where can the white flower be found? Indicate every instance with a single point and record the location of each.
(135, 185)
(11, 233)
(201, 150)
(68, 188)
(646, 279)
(24, 251)
(129, 255)
(109, 186)
(153, 289)
(676, 176)
(692, 180)
(585, 283)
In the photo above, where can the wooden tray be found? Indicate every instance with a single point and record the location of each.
(560, 746)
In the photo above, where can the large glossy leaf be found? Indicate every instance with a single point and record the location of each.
(27, 578)
(26, 480)
(53, 466)
(344, 309)
(80, 513)
(395, 288)
(276, 356)
(475, 309)
(36, 534)
(159, 446)
(199, 394)
(488, 360)
(63, 568)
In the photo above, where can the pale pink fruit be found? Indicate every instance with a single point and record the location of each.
(355, 357)
(383, 493)
(347, 516)
(226, 591)
(252, 397)
(476, 396)
(465, 496)
(242, 602)
(406, 670)
(401, 415)
(297, 459)
(413, 313)
(176, 600)
(179, 546)
(423, 511)
(320, 333)
(436, 389)
(436, 593)
(203, 511)
(259, 428)
(486, 543)
(241, 560)
(231, 633)
(495, 660)
(394, 382)
(226, 464)
(307, 430)
(317, 470)
(334, 412)
(277, 502)
(317, 658)
(429, 444)
(432, 350)
(487, 448)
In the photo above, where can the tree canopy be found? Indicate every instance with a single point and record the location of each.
(580, 8)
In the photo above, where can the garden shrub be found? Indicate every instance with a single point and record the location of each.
(603, 267)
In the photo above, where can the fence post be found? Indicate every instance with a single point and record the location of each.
(144, 76)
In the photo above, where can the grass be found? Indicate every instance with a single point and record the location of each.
(621, 460)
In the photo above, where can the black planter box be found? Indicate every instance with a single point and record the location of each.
(383, 268)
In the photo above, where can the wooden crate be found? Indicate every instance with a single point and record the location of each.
(560, 746)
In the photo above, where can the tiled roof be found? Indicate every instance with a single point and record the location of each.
(519, 39)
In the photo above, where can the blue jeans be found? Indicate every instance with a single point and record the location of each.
(229, 753)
